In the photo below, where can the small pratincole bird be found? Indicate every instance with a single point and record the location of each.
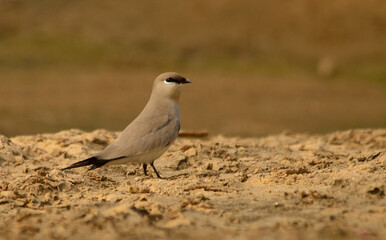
(151, 133)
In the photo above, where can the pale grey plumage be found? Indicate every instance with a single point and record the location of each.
(151, 133)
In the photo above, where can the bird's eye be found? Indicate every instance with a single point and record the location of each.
(169, 80)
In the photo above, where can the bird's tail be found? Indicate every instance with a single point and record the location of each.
(96, 163)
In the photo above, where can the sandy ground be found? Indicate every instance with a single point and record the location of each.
(287, 186)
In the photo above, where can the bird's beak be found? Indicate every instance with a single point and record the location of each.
(186, 81)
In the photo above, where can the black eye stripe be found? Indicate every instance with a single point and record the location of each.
(178, 81)
(170, 80)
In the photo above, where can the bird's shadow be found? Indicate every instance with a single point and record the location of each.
(176, 176)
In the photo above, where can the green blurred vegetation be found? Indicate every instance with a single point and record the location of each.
(102, 43)
(269, 36)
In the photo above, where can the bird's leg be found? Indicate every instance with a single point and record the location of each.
(155, 170)
(144, 168)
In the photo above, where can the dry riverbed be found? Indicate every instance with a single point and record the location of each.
(288, 186)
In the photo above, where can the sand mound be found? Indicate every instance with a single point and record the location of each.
(283, 186)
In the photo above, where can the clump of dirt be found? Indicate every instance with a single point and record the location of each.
(276, 187)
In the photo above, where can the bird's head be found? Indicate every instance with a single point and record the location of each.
(168, 85)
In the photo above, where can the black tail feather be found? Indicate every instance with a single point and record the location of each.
(96, 163)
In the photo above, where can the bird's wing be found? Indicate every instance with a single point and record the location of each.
(143, 136)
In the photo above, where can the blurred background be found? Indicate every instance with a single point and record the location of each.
(257, 67)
